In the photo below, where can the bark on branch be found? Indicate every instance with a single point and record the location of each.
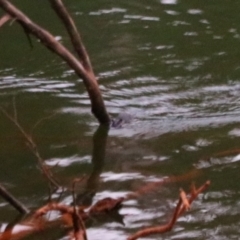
(84, 71)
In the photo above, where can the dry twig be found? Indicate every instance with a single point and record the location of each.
(183, 204)
(33, 147)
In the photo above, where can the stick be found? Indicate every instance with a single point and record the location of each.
(75, 37)
(13, 201)
(47, 39)
(4, 19)
(33, 147)
(182, 206)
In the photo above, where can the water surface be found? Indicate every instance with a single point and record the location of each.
(174, 66)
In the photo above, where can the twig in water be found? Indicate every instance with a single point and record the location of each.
(41, 120)
(33, 147)
(13, 201)
(78, 224)
(182, 206)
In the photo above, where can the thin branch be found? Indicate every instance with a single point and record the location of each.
(33, 147)
(195, 194)
(47, 39)
(42, 120)
(184, 199)
(159, 229)
(16, 123)
(75, 37)
(182, 206)
(13, 201)
(5, 18)
(15, 116)
(151, 186)
(50, 207)
(27, 33)
(78, 223)
(76, 180)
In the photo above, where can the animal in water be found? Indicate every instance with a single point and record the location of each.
(121, 119)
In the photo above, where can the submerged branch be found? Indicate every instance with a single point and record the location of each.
(182, 206)
(75, 216)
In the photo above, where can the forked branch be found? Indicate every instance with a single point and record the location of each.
(74, 216)
(82, 69)
(182, 206)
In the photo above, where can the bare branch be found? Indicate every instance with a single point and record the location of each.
(47, 39)
(42, 120)
(32, 146)
(73, 33)
(78, 223)
(12, 200)
(184, 199)
(5, 18)
(182, 206)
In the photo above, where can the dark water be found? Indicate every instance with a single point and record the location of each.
(174, 66)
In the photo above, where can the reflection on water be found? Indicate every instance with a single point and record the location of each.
(174, 66)
(168, 1)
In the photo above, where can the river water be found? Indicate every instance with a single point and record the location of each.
(174, 66)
